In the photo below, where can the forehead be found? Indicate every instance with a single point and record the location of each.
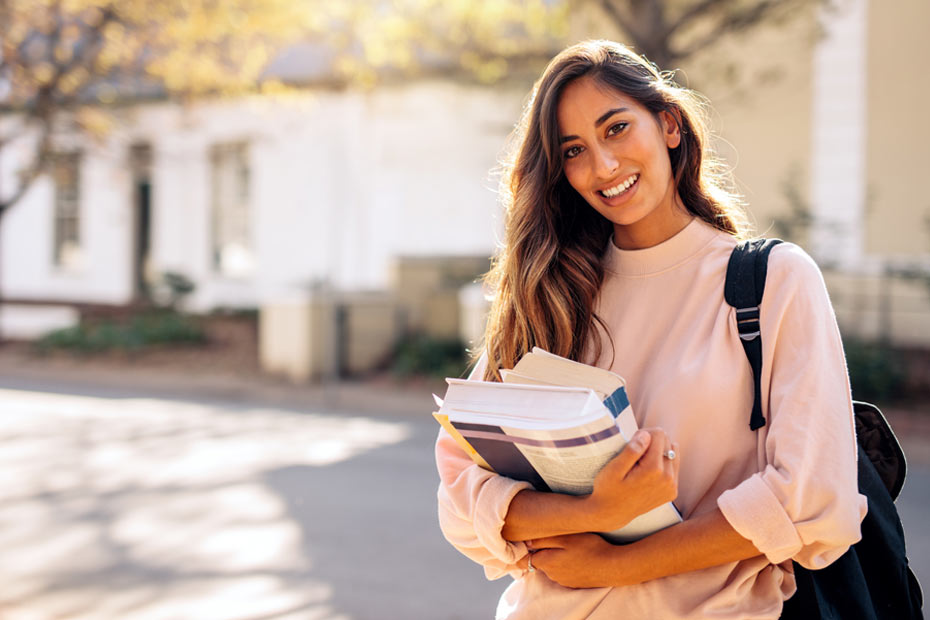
(585, 100)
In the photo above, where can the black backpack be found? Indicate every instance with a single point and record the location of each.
(871, 581)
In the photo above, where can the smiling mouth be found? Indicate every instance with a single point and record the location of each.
(619, 189)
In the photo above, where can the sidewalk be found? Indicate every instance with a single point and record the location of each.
(379, 396)
(255, 503)
(382, 395)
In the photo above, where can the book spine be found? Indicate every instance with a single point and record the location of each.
(617, 402)
(500, 452)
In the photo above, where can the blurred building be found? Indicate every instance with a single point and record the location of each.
(254, 199)
(258, 200)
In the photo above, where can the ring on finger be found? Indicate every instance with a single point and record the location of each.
(670, 454)
(529, 563)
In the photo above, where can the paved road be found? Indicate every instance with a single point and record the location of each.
(115, 507)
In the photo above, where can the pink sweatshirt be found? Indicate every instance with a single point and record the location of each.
(789, 487)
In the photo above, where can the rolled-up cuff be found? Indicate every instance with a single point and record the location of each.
(756, 514)
(491, 508)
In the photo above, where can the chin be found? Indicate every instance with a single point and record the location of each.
(623, 216)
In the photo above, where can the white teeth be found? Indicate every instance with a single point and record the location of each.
(619, 189)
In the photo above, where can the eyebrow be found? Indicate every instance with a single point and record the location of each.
(600, 121)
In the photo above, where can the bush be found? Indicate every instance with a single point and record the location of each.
(423, 355)
(140, 331)
(876, 371)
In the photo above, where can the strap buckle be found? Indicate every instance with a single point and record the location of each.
(747, 322)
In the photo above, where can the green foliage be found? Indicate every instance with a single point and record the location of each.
(170, 289)
(423, 355)
(179, 285)
(876, 371)
(235, 312)
(138, 332)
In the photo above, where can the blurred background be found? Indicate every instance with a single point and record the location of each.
(241, 242)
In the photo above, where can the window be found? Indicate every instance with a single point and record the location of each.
(66, 169)
(232, 246)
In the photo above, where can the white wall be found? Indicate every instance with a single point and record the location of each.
(27, 268)
(341, 182)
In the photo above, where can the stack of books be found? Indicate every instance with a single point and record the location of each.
(554, 423)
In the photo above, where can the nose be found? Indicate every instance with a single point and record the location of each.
(605, 162)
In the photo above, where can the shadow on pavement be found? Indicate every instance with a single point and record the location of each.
(370, 531)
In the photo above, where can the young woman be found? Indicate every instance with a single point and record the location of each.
(619, 229)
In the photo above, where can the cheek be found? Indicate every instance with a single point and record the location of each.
(660, 162)
(575, 176)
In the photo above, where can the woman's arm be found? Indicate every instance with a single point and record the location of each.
(634, 482)
(804, 504)
(588, 561)
(472, 505)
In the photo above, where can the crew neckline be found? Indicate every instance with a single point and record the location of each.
(675, 250)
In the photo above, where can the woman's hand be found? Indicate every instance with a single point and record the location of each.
(588, 561)
(575, 560)
(634, 482)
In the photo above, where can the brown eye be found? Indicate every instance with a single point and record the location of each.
(573, 151)
(616, 128)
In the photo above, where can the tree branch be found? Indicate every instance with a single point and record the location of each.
(645, 26)
(33, 171)
(625, 22)
(733, 21)
(49, 100)
(695, 11)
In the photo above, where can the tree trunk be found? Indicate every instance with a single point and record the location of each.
(3, 210)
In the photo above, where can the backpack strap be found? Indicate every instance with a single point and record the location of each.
(743, 290)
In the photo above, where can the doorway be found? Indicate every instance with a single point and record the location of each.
(140, 157)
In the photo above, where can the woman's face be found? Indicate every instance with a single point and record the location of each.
(616, 157)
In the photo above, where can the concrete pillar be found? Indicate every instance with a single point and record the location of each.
(838, 156)
(297, 336)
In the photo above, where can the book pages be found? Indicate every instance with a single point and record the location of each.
(554, 423)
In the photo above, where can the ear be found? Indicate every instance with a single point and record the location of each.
(671, 127)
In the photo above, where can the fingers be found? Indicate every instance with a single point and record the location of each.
(676, 462)
(671, 467)
(654, 456)
(659, 470)
(631, 453)
(633, 482)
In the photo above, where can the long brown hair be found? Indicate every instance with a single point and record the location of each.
(547, 277)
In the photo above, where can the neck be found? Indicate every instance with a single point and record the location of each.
(654, 230)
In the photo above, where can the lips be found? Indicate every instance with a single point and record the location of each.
(620, 188)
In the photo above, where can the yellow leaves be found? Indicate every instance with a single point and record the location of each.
(388, 41)
(276, 88)
(63, 53)
(74, 80)
(195, 47)
(43, 73)
(487, 71)
(355, 71)
(107, 94)
(114, 33)
(477, 35)
(94, 121)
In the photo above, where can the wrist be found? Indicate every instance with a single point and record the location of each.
(617, 563)
(602, 517)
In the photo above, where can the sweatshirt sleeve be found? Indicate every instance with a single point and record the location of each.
(473, 503)
(804, 504)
